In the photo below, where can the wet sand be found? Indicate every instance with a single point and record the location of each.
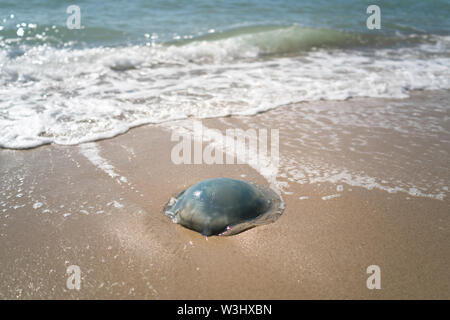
(99, 206)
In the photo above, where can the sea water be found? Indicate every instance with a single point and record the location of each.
(135, 62)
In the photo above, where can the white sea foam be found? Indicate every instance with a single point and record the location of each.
(37, 205)
(71, 96)
(92, 152)
(331, 196)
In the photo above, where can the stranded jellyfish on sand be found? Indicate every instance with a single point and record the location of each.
(224, 206)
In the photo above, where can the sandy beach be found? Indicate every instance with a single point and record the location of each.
(363, 184)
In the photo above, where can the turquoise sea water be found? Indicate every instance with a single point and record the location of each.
(136, 61)
(128, 22)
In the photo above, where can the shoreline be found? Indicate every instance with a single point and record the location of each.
(412, 93)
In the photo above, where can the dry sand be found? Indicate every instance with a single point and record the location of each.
(99, 206)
